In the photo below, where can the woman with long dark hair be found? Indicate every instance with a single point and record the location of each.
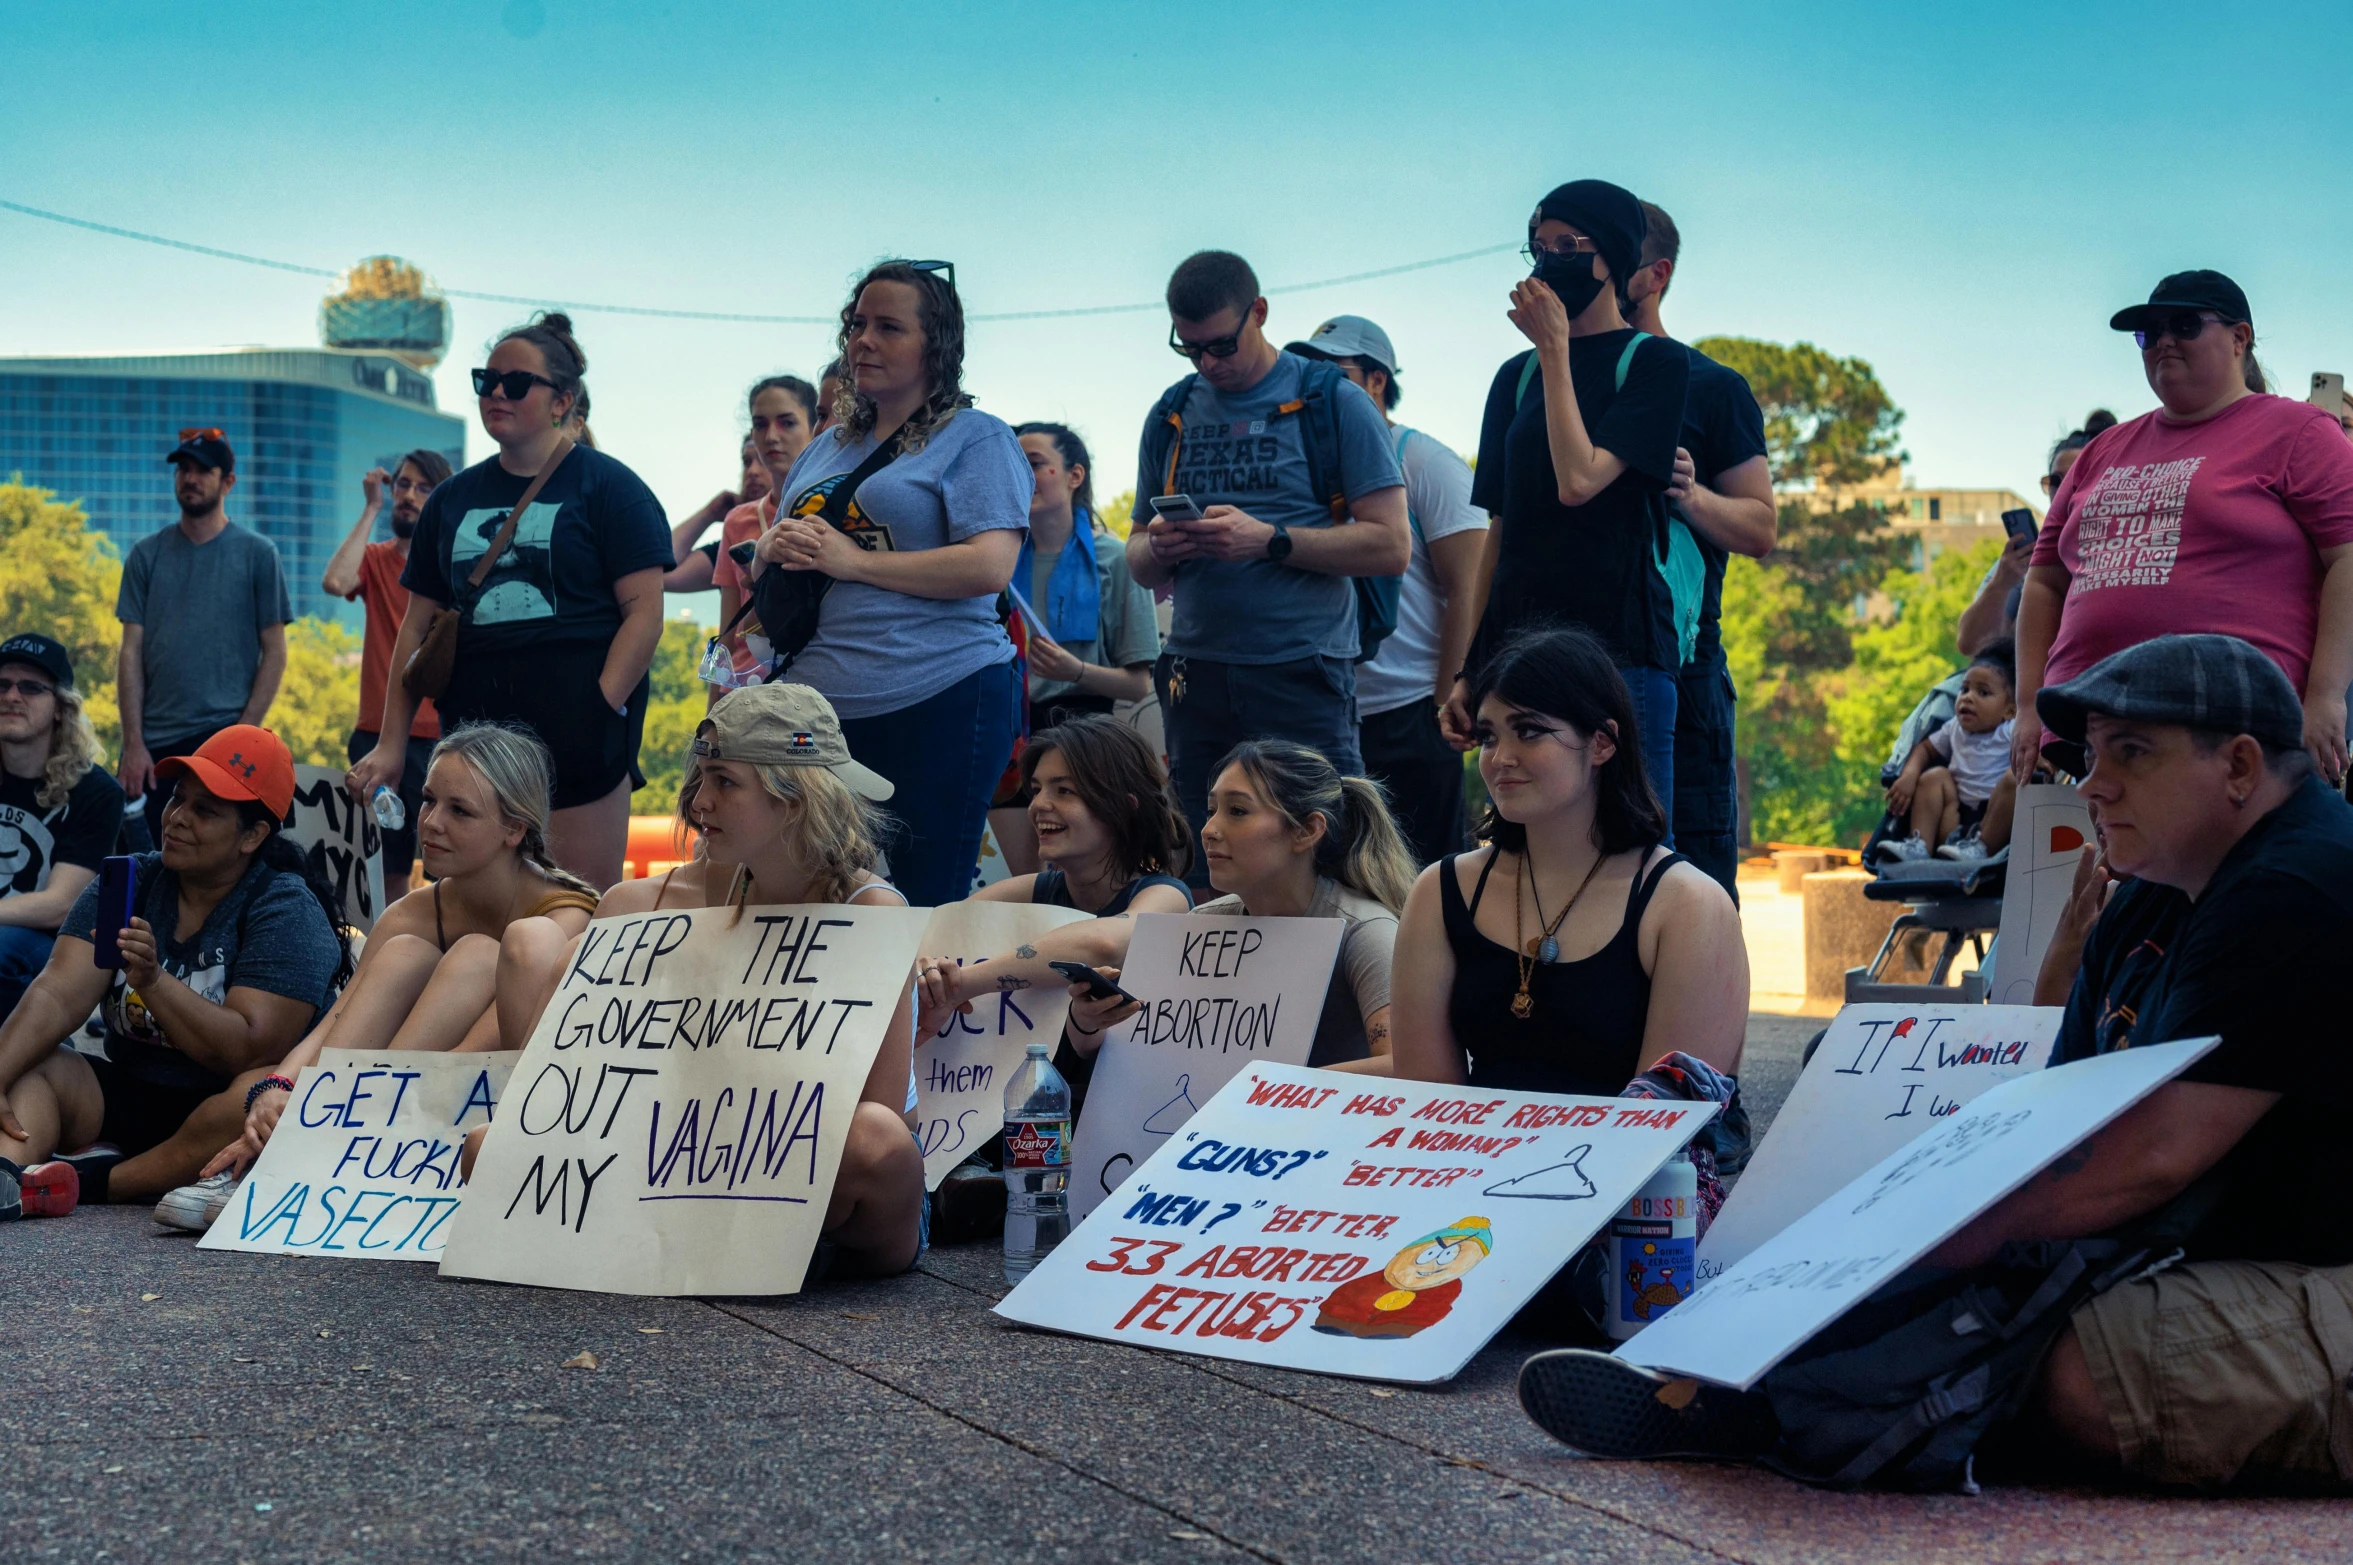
(907, 518)
(787, 413)
(560, 634)
(1574, 951)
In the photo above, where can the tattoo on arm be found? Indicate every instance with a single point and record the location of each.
(1010, 982)
(1025, 952)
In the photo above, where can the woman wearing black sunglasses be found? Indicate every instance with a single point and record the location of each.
(560, 634)
(2222, 510)
(909, 513)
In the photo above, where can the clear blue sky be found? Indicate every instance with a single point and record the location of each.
(1961, 198)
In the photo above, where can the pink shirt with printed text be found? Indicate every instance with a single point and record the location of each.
(2215, 527)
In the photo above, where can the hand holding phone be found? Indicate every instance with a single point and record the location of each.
(118, 895)
(2018, 523)
(1175, 508)
(1098, 986)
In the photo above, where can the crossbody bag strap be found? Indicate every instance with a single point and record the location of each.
(506, 533)
(836, 508)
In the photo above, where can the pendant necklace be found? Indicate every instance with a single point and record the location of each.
(1547, 948)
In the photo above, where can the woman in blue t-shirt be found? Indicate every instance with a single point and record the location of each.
(563, 629)
(908, 645)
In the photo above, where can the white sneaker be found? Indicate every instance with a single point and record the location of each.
(1969, 850)
(1909, 851)
(195, 1207)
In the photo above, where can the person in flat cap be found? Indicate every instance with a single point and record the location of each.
(1576, 455)
(2222, 509)
(2219, 903)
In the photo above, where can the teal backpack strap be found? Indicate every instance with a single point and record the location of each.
(1626, 359)
(1527, 378)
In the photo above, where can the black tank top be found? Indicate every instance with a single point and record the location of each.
(1585, 1033)
(1052, 887)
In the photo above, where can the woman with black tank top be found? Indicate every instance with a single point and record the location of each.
(1575, 951)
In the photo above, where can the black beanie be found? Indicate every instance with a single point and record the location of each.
(1609, 215)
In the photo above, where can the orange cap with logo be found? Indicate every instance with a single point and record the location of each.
(240, 762)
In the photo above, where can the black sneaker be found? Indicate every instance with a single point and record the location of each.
(969, 1204)
(1603, 1406)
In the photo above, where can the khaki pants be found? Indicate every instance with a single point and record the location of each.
(2228, 1372)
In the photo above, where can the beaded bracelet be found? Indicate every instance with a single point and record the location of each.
(264, 1085)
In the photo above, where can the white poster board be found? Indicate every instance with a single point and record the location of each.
(1881, 1075)
(1759, 1311)
(1218, 993)
(676, 1121)
(341, 841)
(2050, 830)
(1350, 1225)
(961, 1070)
(364, 1162)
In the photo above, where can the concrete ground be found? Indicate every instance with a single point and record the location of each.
(173, 1404)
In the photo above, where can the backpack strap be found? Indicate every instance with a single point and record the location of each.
(1626, 359)
(1167, 422)
(1320, 432)
(1528, 368)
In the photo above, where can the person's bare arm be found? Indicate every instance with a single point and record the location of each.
(2143, 1159)
(249, 1027)
(1457, 561)
(1422, 1045)
(59, 1000)
(46, 908)
(1738, 514)
(640, 595)
(1907, 781)
(268, 676)
(1377, 541)
(2332, 665)
(381, 767)
(2039, 608)
(2086, 901)
(1098, 942)
(1698, 972)
(341, 577)
(1983, 620)
(130, 694)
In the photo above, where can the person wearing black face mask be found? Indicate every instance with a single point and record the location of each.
(1576, 456)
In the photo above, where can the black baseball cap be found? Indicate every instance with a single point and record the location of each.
(204, 447)
(2184, 291)
(42, 653)
(2217, 683)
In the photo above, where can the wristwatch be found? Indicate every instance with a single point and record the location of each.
(1279, 546)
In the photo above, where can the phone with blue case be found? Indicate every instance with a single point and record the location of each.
(118, 899)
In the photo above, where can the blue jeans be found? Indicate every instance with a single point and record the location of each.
(1207, 708)
(1656, 693)
(23, 953)
(944, 756)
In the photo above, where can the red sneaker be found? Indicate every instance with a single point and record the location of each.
(50, 1189)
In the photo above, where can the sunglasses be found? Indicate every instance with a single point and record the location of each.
(187, 435)
(26, 687)
(945, 269)
(1215, 348)
(2181, 326)
(516, 384)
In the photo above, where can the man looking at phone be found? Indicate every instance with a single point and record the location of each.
(204, 611)
(59, 810)
(1265, 636)
(370, 572)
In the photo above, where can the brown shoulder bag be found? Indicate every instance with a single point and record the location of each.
(426, 675)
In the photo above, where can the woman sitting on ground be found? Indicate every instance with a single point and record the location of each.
(427, 978)
(1289, 837)
(234, 949)
(1574, 952)
(783, 822)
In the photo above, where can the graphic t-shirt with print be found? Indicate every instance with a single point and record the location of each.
(593, 523)
(1238, 450)
(1438, 496)
(268, 934)
(876, 650)
(34, 841)
(2214, 527)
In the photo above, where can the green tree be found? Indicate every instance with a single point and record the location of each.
(59, 578)
(676, 707)
(318, 701)
(1828, 421)
(1117, 513)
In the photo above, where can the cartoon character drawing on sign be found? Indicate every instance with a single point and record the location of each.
(1643, 1295)
(1561, 1181)
(1415, 1290)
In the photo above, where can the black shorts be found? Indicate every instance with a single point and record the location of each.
(140, 1114)
(400, 847)
(554, 693)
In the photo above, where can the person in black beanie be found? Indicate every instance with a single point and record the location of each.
(1575, 458)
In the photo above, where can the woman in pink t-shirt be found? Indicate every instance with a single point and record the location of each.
(2223, 510)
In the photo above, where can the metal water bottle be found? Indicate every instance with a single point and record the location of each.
(1652, 1243)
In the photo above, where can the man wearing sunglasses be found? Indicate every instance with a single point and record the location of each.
(54, 832)
(1297, 489)
(204, 610)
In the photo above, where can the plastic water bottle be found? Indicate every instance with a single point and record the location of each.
(1037, 1163)
(390, 812)
(1652, 1245)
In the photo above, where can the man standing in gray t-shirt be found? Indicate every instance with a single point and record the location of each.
(204, 611)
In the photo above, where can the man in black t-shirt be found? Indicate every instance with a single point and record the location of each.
(1723, 491)
(57, 822)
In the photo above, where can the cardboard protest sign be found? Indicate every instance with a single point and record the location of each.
(1218, 993)
(1881, 1075)
(676, 1121)
(341, 841)
(960, 1071)
(1763, 1308)
(1348, 1224)
(364, 1162)
(2050, 830)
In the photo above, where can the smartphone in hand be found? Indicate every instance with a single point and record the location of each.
(118, 899)
(2018, 523)
(1174, 508)
(1098, 986)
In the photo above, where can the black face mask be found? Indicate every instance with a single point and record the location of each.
(1571, 278)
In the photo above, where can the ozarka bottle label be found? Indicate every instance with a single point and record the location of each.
(1042, 1143)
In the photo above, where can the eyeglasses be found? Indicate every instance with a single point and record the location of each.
(1535, 250)
(26, 687)
(187, 435)
(516, 384)
(946, 269)
(2181, 326)
(2050, 483)
(1215, 348)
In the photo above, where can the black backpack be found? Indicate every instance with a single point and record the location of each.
(1317, 407)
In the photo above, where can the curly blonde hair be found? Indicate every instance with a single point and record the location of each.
(942, 315)
(73, 749)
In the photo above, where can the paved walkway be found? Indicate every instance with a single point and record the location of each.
(175, 1404)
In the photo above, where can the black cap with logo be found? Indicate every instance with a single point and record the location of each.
(41, 652)
(204, 447)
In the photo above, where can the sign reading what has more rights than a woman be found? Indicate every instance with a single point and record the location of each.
(1353, 1225)
(675, 1123)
